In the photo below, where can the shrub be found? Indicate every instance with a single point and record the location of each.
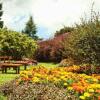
(16, 44)
(83, 44)
(89, 69)
(50, 50)
(64, 30)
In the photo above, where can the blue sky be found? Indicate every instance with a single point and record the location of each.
(49, 15)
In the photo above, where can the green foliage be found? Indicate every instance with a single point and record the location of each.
(83, 44)
(64, 30)
(16, 44)
(30, 28)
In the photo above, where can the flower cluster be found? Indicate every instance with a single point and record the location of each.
(81, 85)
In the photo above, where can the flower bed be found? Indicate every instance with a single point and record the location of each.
(82, 86)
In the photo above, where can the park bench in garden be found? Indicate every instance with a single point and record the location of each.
(24, 63)
(5, 58)
(34, 62)
(6, 63)
(5, 66)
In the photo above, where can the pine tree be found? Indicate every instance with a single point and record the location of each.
(1, 13)
(30, 28)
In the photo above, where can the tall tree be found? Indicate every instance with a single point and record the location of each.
(30, 28)
(1, 13)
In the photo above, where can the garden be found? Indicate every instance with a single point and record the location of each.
(65, 67)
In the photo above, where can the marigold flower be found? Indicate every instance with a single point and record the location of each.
(98, 91)
(70, 88)
(86, 94)
(82, 97)
(65, 84)
(91, 90)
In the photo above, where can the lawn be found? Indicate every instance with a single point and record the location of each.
(7, 77)
(49, 65)
(11, 74)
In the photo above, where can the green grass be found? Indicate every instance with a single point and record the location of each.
(2, 97)
(7, 77)
(48, 65)
(11, 73)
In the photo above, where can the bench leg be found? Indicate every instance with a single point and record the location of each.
(25, 67)
(4, 70)
(17, 70)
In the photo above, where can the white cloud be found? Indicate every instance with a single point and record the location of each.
(52, 14)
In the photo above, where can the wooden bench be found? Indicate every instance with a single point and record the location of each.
(25, 63)
(5, 66)
(4, 58)
(30, 61)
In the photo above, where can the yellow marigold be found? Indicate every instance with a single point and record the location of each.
(35, 79)
(95, 80)
(65, 84)
(91, 90)
(82, 97)
(70, 88)
(86, 94)
(63, 78)
(55, 79)
(37, 75)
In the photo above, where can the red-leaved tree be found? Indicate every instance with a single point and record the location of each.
(51, 50)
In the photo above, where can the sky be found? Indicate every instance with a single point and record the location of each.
(49, 15)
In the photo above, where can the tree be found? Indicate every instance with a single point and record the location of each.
(64, 30)
(1, 13)
(83, 44)
(50, 50)
(16, 44)
(30, 29)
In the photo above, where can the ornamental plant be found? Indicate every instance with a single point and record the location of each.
(16, 44)
(83, 43)
(50, 50)
(82, 86)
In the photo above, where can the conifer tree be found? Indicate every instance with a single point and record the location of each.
(30, 28)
